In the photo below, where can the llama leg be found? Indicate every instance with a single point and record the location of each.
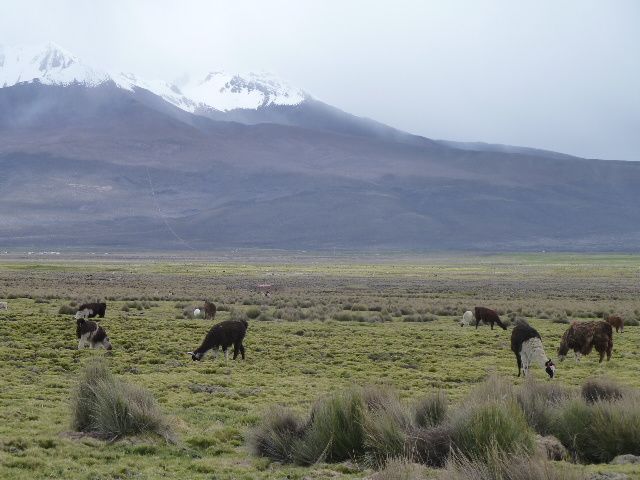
(236, 350)
(242, 351)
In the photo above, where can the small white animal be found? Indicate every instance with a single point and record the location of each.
(4, 306)
(196, 312)
(467, 318)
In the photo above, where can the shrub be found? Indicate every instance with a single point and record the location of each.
(253, 313)
(66, 310)
(238, 315)
(431, 410)
(598, 389)
(111, 408)
(427, 317)
(560, 317)
(277, 436)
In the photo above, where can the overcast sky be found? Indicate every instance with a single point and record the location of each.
(559, 75)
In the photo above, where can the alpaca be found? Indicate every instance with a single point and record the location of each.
(581, 337)
(526, 344)
(223, 334)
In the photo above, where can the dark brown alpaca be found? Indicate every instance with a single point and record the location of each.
(581, 337)
(616, 322)
(487, 315)
(209, 309)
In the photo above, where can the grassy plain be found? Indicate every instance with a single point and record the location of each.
(330, 323)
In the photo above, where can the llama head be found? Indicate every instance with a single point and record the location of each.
(196, 356)
(106, 343)
(562, 351)
(84, 313)
(550, 368)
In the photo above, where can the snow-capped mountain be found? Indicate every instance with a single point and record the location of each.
(224, 92)
(50, 64)
(90, 158)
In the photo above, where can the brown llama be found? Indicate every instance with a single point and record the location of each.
(616, 322)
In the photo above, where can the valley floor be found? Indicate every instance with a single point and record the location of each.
(328, 324)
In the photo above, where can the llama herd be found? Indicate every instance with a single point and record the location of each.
(526, 343)
(222, 335)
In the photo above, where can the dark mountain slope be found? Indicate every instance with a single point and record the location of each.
(106, 167)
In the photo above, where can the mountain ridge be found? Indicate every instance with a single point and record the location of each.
(102, 166)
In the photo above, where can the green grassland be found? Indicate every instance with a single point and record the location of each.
(329, 324)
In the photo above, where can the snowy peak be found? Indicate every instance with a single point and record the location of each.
(50, 64)
(223, 91)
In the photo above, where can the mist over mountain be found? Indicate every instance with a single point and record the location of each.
(96, 159)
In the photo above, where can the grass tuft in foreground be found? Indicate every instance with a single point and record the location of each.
(110, 408)
(497, 465)
(490, 428)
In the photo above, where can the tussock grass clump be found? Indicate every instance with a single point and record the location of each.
(540, 402)
(400, 469)
(111, 408)
(67, 310)
(336, 429)
(598, 389)
(500, 466)
(600, 431)
(494, 426)
(278, 436)
(431, 410)
(631, 322)
(426, 317)
(386, 427)
(430, 446)
(491, 424)
(494, 388)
